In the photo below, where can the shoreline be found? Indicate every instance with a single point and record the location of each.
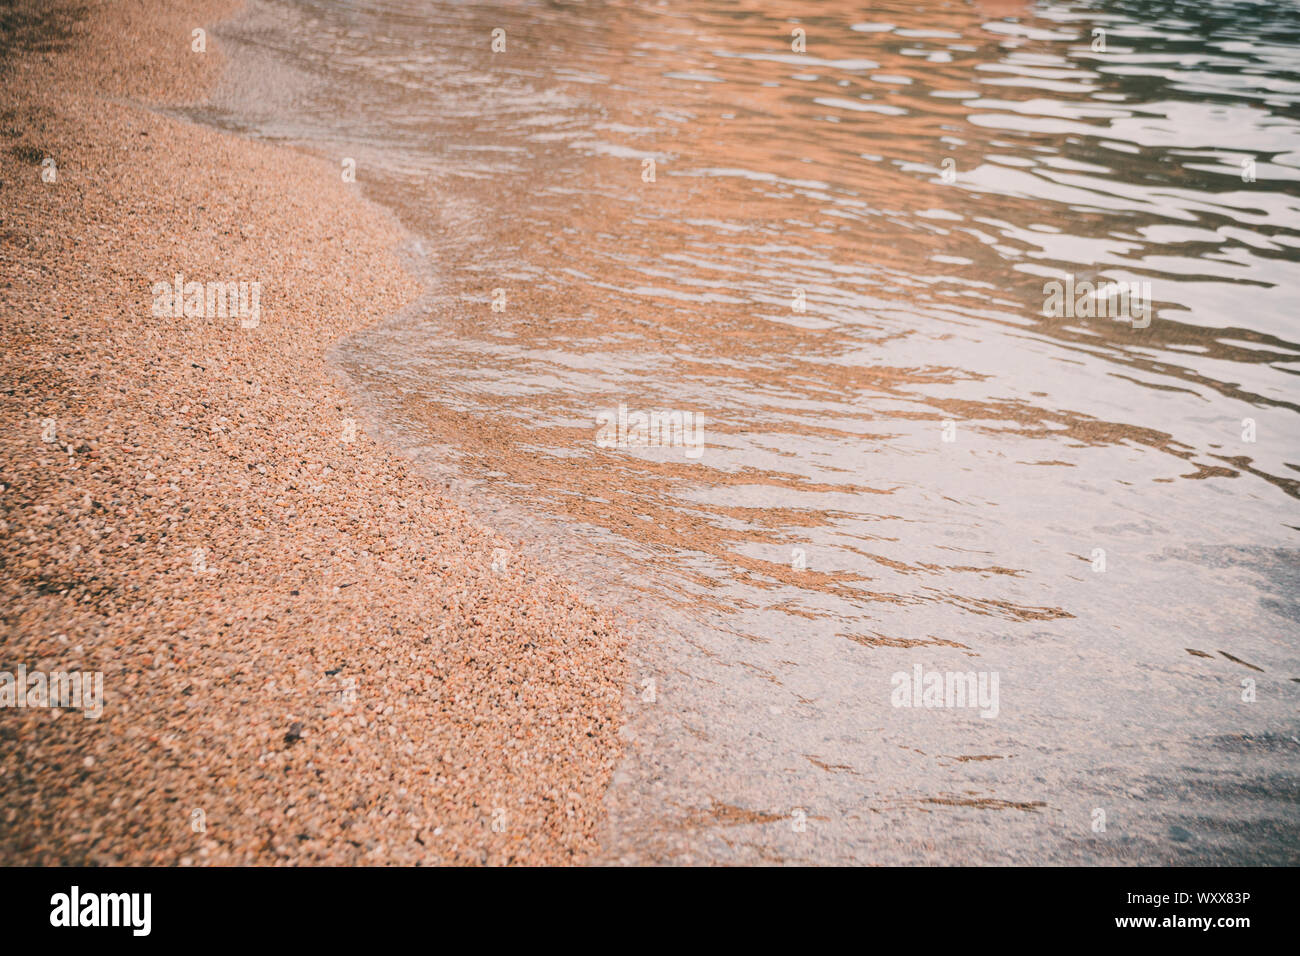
(210, 529)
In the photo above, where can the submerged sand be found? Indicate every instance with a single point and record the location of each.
(307, 655)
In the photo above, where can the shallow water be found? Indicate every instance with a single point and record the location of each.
(840, 264)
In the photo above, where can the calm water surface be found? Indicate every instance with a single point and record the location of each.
(1100, 532)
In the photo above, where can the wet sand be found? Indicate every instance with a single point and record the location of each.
(307, 654)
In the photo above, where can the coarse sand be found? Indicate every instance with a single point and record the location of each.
(307, 656)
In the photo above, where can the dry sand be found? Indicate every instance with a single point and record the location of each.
(487, 703)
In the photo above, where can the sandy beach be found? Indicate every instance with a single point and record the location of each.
(307, 654)
(704, 433)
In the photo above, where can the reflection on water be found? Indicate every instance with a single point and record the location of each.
(840, 263)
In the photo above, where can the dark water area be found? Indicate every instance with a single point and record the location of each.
(828, 231)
